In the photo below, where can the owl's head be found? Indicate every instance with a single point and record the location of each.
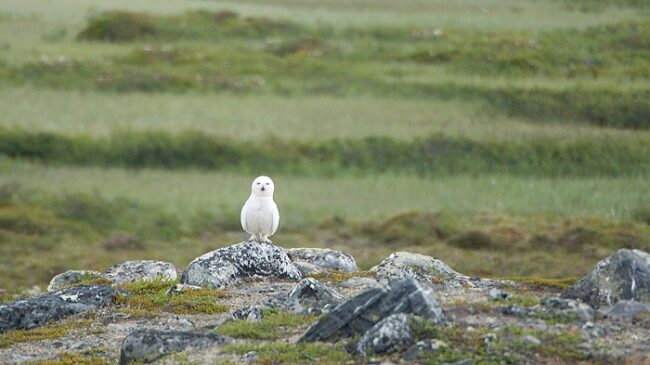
(263, 187)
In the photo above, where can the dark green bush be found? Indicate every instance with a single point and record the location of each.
(118, 26)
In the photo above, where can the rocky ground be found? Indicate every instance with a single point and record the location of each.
(259, 303)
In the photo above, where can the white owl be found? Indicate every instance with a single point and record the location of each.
(260, 216)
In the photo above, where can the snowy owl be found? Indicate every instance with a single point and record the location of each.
(260, 216)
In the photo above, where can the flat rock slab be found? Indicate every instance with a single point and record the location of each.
(40, 310)
(623, 276)
(219, 268)
(322, 260)
(140, 270)
(314, 294)
(150, 345)
(363, 311)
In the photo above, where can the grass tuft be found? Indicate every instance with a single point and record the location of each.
(274, 324)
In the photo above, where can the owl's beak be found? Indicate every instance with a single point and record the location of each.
(263, 188)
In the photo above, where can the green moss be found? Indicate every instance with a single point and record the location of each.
(68, 358)
(274, 324)
(340, 276)
(150, 296)
(536, 282)
(12, 337)
(507, 346)
(290, 353)
(118, 26)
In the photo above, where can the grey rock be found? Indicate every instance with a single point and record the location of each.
(38, 311)
(313, 294)
(568, 306)
(391, 334)
(70, 277)
(498, 294)
(416, 351)
(324, 259)
(460, 362)
(363, 311)
(149, 345)
(140, 270)
(219, 268)
(532, 340)
(426, 269)
(624, 275)
(249, 313)
(625, 309)
(307, 268)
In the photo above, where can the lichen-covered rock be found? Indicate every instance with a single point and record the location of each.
(624, 275)
(315, 295)
(70, 277)
(426, 269)
(568, 307)
(149, 345)
(38, 311)
(219, 268)
(391, 334)
(363, 311)
(249, 313)
(140, 270)
(321, 259)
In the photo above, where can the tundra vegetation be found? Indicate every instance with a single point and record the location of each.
(507, 138)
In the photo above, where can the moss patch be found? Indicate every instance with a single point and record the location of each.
(289, 353)
(274, 324)
(339, 276)
(543, 283)
(68, 358)
(151, 296)
(12, 337)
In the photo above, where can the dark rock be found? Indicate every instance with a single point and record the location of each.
(363, 311)
(218, 269)
(149, 345)
(249, 313)
(70, 277)
(140, 270)
(627, 309)
(624, 275)
(38, 311)
(417, 351)
(313, 294)
(568, 306)
(321, 259)
(391, 334)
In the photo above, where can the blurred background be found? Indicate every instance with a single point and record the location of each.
(507, 138)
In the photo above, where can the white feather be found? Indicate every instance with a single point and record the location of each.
(259, 215)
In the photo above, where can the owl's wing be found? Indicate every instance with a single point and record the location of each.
(243, 216)
(276, 219)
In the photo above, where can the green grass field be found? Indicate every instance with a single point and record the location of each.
(386, 126)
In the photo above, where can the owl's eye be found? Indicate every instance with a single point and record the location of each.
(267, 183)
(258, 183)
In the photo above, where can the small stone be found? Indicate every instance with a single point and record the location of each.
(363, 311)
(626, 309)
(532, 340)
(222, 267)
(391, 334)
(250, 313)
(251, 356)
(416, 351)
(140, 270)
(312, 293)
(70, 277)
(498, 294)
(180, 288)
(568, 306)
(323, 259)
